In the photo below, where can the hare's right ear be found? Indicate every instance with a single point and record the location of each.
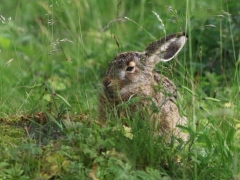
(166, 48)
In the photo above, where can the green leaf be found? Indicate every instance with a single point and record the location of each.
(207, 141)
(190, 131)
(3, 165)
(230, 135)
(63, 99)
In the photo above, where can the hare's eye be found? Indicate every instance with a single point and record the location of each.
(130, 68)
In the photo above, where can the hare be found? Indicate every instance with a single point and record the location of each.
(131, 74)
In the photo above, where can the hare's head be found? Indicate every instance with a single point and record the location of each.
(130, 71)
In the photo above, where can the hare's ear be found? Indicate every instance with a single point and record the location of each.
(166, 48)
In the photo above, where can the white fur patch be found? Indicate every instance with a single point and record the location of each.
(179, 43)
(165, 45)
(122, 74)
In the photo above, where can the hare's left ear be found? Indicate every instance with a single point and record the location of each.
(166, 48)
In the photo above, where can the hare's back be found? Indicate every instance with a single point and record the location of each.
(165, 85)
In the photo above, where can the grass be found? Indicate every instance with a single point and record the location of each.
(53, 55)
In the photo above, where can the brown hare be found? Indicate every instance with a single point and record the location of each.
(131, 74)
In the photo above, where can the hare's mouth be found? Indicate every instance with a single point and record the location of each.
(117, 96)
(110, 93)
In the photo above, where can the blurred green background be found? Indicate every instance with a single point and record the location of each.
(65, 46)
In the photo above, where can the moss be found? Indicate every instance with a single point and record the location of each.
(11, 136)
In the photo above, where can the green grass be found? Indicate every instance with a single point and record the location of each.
(53, 56)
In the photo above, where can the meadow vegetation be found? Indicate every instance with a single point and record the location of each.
(53, 55)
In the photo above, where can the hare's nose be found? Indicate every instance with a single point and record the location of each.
(107, 81)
